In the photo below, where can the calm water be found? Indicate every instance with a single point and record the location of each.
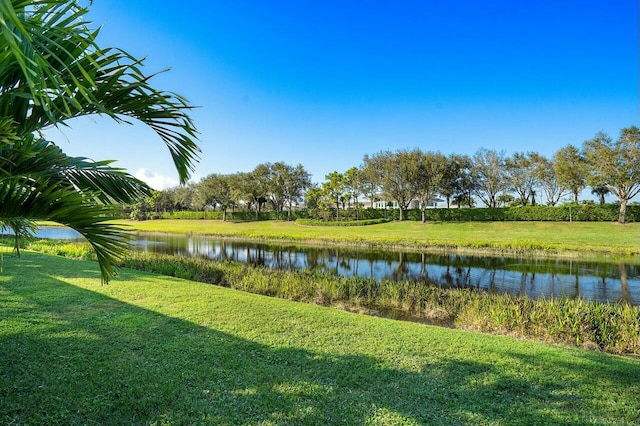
(535, 278)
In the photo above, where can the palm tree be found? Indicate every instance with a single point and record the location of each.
(600, 191)
(52, 70)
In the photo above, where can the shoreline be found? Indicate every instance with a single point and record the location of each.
(512, 248)
(283, 233)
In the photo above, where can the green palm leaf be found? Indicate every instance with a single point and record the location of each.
(51, 70)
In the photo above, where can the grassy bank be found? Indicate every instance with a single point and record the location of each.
(611, 327)
(572, 239)
(158, 350)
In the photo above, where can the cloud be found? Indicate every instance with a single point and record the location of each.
(155, 180)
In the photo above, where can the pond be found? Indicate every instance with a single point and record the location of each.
(534, 277)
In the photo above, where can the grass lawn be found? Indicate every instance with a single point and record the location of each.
(577, 238)
(158, 350)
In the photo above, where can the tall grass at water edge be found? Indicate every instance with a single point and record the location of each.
(610, 327)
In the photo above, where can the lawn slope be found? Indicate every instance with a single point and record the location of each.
(158, 350)
(577, 238)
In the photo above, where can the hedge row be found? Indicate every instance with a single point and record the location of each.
(235, 216)
(565, 213)
(587, 212)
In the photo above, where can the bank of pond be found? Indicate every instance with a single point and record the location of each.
(533, 277)
(612, 325)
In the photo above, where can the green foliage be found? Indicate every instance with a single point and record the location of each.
(52, 71)
(615, 165)
(239, 216)
(74, 250)
(585, 212)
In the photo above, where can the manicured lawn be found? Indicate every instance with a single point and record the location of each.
(575, 238)
(158, 350)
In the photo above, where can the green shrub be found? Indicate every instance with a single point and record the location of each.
(586, 212)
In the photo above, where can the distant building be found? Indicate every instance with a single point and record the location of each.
(414, 204)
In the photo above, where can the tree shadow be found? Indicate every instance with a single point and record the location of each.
(71, 355)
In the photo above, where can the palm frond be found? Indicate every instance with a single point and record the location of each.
(63, 73)
(51, 70)
(41, 199)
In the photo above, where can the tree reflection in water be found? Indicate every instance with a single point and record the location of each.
(534, 277)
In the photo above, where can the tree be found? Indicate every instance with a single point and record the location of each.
(431, 166)
(53, 70)
(272, 177)
(601, 191)
(164, 201)
(238, 189)
(215, 190)
(396, 172)
(297, 181)
(569, 166)
(354, 185)
(23, 229)
(548, 180)
(282, 184)
(505, 200)
(186, 197)
(333, 188)
(521, 174)
(615, 165)
(313, 199)
(261, 176)
(456, 169)
(370, 184)
(247, 187)
(488, 173)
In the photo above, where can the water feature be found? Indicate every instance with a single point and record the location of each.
(534, 277)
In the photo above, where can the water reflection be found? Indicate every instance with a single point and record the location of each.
(534, 277)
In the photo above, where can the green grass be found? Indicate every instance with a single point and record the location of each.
(574, 239)
(149, 349)
(610, 327)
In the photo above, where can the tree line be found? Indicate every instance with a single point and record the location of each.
(409, 176)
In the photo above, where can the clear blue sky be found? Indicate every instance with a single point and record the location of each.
(323, 83)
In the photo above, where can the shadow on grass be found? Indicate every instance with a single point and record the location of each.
(70, 355)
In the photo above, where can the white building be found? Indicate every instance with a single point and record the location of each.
(414, 204)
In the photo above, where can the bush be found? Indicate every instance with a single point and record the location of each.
(569, 212)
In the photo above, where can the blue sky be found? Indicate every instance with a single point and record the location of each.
(324, 83)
